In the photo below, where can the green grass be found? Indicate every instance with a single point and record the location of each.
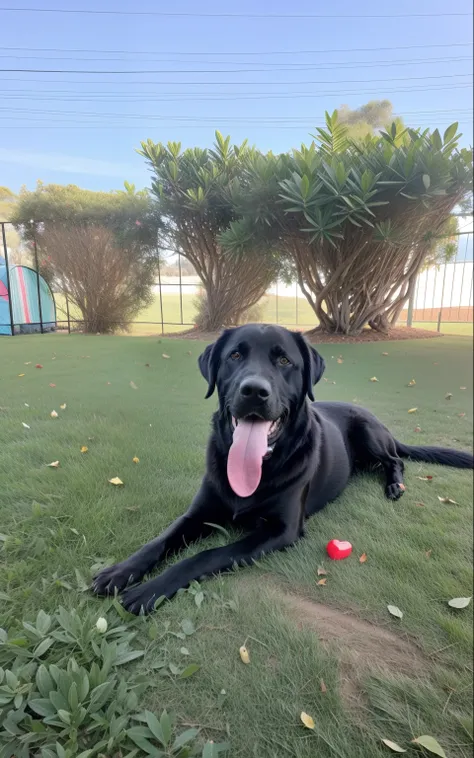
(287, 311)
(57, 520)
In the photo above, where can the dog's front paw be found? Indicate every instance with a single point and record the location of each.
(395, 491)
(142, 598)
(114, 579)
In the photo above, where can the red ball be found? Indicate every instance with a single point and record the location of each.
(338, 549)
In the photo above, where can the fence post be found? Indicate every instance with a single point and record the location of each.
(38, 288)
(411, 304)
(161, 298)
(440, 314)
(10, 303)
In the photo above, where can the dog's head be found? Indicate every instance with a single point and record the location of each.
(263, 375)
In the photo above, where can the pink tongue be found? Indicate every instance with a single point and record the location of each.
(244, 464)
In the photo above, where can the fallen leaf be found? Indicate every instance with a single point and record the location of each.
(116, 481)
(393, 746)
(135, 460)
(425, 478)
(448, 396)
(132, 508)
(63, 406)
(188, 352)
(395, 611)
(411, 383)
(108, 382)
(340, 360)
(54, 464)
(322, 582)
(21, 375)
(322, 686)
(244, 654)
(28, 363)
(25, 425)
(322, 572)
(463, 388)
(459, 602)
(133, 386)
(164, 355)
(363, 558)
(307, 720)
(430, 744)
(420, 505)
(51, 384)
(54, 414)
(374, 379)
(461, 415)
(38, 365)
(384, 353)
(447, 500)
(26, 405)
(147, 365)
(428, 553)
(84, 449)
(412, 410)
(417, 429)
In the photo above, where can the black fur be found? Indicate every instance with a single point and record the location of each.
(318, 447)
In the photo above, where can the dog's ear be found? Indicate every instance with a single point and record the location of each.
(209, 361)
(314, 364)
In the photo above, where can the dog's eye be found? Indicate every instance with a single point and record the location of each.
(236, 356)
(283, 360)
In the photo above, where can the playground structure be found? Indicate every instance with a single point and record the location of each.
(26, 301)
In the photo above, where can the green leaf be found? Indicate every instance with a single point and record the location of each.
(395, 611)
(436, 140)
(304, 186)
(189, 670)
(43, 647)
(393, 746)
(459, 602)
(166, 727)
(198, 598)
(214, 750)
(188, 627)
(43, 622)
(42, 706)
(184, 738)
(450, 132)
(430, 744)
(155, 728)
(43, 681)
(136, 735)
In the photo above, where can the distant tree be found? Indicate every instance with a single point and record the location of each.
(358, 219)
(367, 119)
(194, 191)
(97, 248)
(17, 253)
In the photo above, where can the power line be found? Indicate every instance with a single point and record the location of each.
(190, 14)
(244, 52)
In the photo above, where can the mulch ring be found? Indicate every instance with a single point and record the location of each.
(367, 335)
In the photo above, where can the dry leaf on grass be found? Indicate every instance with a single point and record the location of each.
(393, 746)
(411, 383)
(430, 744)
(51, 384)
(373, 379)
(54, 464)
(420, 505)
(322, 686)
(163, 355)
(135, 460)
(63, 406)
(244, 654)
(84, 449)
(132, 508)
(27, 363)
(459, 602)
(425, 478)
(461, 415)
(54, 414)
(21, 375)
(428, 552)
(384, 353)
(395, 611)
(448, 396)
(417, 429)
(447, 500)
(340, 360)
(412, 410)
(116, 481)
(463, 388)
(321, 571)
(25, 425)
(307, 720)
(133, 386)
(322, 582)
(363, 558)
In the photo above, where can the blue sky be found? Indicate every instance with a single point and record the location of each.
(83, 128)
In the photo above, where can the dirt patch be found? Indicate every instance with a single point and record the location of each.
(368, 335)
(360, 647)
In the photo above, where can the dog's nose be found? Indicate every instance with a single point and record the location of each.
(255, 388)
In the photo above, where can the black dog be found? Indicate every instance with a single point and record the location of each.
(273, 460)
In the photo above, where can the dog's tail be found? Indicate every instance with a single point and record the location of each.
(443, 455)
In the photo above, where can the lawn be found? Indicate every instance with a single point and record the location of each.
(331, 650)
(288, 311)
